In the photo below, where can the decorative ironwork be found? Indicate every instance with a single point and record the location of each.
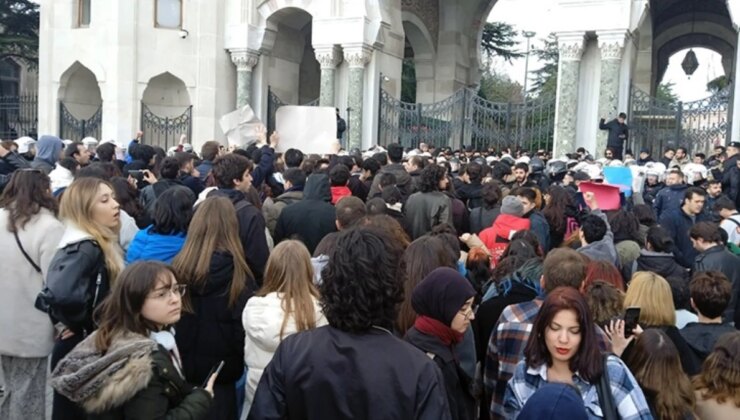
(274, 102)
(467, 119)
(165, 132)
(18, 116)
(690, 63)
(76, 129)
(698, 125)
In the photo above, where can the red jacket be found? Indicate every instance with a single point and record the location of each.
(498, 236)
(337, 193)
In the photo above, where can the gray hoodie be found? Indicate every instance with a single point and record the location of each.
(48, 150)
(604, 249)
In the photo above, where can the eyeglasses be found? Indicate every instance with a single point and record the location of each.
(175, 290)
(468, 312)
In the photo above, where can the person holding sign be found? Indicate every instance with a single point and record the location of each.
(618, 134)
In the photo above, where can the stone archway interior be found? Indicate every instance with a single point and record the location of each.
(166, 95)
(81, 92)
(294, 73)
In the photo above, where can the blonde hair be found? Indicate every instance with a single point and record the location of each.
(289, 273)
(214, 228)
(652, 294)
(76, 208)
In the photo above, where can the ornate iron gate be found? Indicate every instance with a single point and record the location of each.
(698, 126)
(274, 102)
(467, 119)
(165, 132)
(76, 129)
(18, 116)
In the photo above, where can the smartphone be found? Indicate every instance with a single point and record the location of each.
(137, 174)
(631, 318)
(214, 371)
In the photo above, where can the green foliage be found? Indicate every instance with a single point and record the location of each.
(545, 80)
(717, 85)
(19, 28)
(665, 93)
(498, 87)
(499, 40)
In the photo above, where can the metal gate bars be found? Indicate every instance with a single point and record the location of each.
(18, 116)
(76, 129)
(165, 132)
(698, 126)
(274, 102)
(467, 119)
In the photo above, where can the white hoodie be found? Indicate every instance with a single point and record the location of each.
(262, 319)
(60, 177)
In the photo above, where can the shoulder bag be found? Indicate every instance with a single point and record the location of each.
(606, 398)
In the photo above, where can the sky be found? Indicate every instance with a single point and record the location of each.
(533, 15)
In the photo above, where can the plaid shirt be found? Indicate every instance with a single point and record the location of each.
(628, 396)
(506, 349)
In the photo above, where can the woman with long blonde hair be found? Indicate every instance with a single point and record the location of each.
(286, 304)
(83, 270)
(652, 294)
(212, 265)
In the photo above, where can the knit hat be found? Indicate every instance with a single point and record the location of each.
(554, 401)
(511, 205)
(441, 295)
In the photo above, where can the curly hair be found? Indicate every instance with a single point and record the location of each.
(720, 375)
(363, 281)
(430, 177)
(605, 301)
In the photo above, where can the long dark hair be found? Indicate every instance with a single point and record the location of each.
(554, 211)
(120, 312)
(24, 197)
(587, 360)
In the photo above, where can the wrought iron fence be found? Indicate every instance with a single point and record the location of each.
(698, 125)
(165, 132)
(18, 116)
(274, 102)
(76, 129)
(467, 119)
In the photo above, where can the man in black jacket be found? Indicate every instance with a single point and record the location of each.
(355, 367)
(14, 161)
(731, 173)
(679, 221)
(403, 179)
(714, 256)
(618, 134)
(233, 177)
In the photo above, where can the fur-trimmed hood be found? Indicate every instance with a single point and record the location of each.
(101, 382)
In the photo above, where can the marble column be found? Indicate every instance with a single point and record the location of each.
(611, 46)
(570, 47)
(329, 58)
(357, 57)
(245, 60)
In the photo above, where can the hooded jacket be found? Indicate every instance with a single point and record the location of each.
(718, 258)
(134, 379)
(213, 332)
(149, 245)
(604, 249)
(702, 337)
(678, 223)
(272, 208)
(315, 208)
(669, 198)
(60, 178)
(504, 227)
(663, 264)
(262, 319)
(48, 149)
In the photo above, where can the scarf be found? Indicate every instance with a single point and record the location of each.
(437, 329)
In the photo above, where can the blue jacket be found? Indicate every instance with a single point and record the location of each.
(669, 198)
(678, 224)
(541, 229)
(148, 245)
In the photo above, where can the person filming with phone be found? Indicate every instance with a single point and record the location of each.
(130, 367)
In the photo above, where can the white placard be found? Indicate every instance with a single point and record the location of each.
(310, 129)
(241, 127)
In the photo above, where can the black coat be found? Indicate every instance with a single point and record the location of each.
(76, 284)
(701, 338)
(669, 198)
(470, 194)
(251, 232)
(457, 384)
(678, 224)
(661, 263)
(718, 258)
(618, 133)
(11, 162)
(731, 178)
(326, 373)
(482, 218)
(213, 332)
(310, 219)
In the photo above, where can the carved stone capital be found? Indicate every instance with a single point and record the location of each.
(571, 45)
(357, 56)
(611, 44)
(328, 57)
(245, 60)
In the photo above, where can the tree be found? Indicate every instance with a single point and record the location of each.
(499, 40)
(19, 31)
(546, 78)
(665, 93)
(498, 87)
(717, 85)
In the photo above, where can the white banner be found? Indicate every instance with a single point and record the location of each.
(309, 129)
(241, 127)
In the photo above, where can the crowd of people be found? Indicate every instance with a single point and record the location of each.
(397, 283)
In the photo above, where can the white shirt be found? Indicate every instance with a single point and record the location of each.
(732, 228)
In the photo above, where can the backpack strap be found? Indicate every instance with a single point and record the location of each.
(25, 254)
